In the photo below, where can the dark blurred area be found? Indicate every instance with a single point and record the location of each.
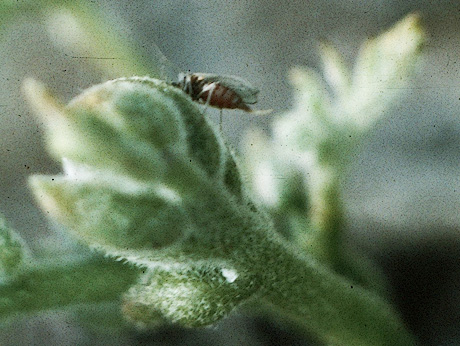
(402, 194)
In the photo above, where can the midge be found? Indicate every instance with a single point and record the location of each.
(219, 91)
(223, 92)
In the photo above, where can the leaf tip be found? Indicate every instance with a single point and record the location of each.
(40, 100)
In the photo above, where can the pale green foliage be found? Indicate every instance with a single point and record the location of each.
(148, 181)
(171, 201)
(313, 144)
(192, 296)
(145, 171)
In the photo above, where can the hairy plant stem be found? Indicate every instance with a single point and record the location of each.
(342, 312)
(298, 285)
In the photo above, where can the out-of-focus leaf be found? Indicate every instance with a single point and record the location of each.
(13, 252)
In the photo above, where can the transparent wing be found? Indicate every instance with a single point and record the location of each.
(243, 88)
(163, 68)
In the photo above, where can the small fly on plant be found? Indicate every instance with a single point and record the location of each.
(219, 91)
(223, 92)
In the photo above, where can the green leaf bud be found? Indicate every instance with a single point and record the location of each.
(193, 297)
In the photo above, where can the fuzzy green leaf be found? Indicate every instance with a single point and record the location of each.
(123, 216)
(171, 164)
(384, 67)
(336, 72)
(313, 144)
(64, 285)
(193, 297)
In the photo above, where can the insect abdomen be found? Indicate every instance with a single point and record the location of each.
(223, 97)
(209, 90)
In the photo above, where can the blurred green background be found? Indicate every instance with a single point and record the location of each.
(402, 194)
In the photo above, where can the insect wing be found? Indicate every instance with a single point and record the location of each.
(242, 88)
(163, 68)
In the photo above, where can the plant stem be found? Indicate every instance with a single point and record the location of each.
(326, 218)
(335, 309)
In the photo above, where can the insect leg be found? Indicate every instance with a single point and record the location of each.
(188, 85)
(220, 121)
(211, 87)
